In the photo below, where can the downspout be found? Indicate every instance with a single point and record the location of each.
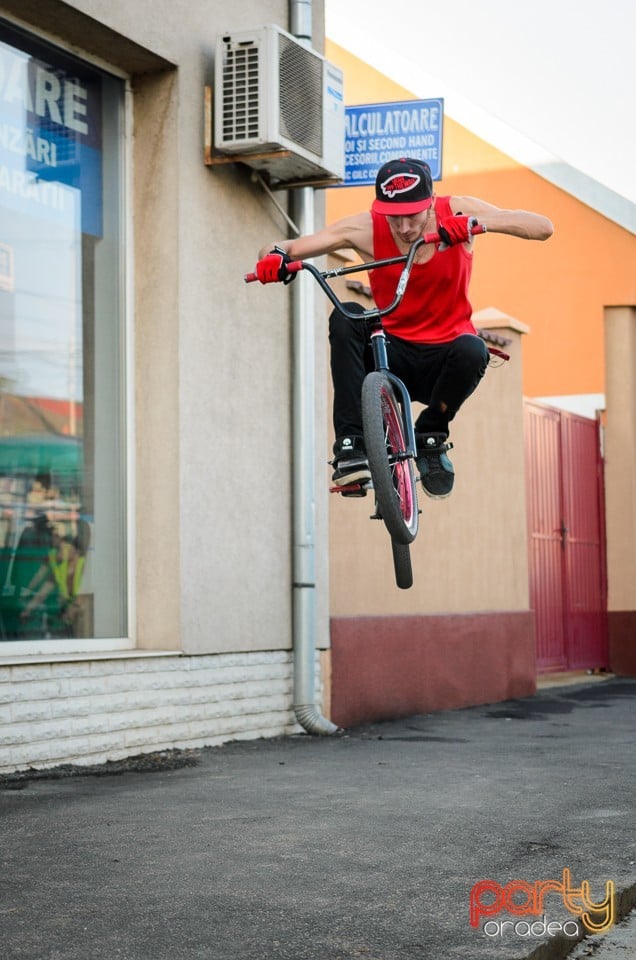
(304, 620)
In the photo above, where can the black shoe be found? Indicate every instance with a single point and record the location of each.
(436, 470)
(350, 461)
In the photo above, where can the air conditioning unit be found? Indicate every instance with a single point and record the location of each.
(278, 106)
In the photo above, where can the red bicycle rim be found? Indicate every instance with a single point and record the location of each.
(394, 438)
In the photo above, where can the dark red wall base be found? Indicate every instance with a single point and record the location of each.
(622, 642)
(388, 667)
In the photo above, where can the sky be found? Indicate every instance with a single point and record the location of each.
(554, 79)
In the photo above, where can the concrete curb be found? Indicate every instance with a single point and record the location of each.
(563, 947)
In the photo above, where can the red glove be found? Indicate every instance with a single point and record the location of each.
(272, 268)
(456, 229)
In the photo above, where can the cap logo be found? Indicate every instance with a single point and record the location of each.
(399, 183)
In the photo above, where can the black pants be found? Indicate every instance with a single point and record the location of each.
(434, 374)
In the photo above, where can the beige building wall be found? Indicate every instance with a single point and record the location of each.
(620, 484)
(470, 554)
(210, 428)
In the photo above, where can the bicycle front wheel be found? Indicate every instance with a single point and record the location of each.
(402, 565)
(391, 469)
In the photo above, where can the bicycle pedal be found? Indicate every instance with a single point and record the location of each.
(353, 489)
(360, 492)
(348, 488)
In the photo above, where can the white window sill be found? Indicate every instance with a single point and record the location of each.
(20, 658)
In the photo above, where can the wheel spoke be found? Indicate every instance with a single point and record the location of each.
(395, 447)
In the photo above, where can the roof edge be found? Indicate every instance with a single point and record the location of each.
(491, 129)
(589, 191)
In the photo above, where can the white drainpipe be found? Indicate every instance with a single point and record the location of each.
(303, 453)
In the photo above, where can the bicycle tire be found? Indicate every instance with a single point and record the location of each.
(402, 565)
(392, 475)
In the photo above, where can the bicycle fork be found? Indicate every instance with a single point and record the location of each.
(378, 345)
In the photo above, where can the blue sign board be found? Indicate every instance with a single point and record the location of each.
(50, 138)
(377, 132)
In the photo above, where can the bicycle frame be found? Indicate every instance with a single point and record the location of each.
(378, 345)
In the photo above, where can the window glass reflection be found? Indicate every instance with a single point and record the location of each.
(62, 470)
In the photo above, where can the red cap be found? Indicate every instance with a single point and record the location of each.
(403, 187)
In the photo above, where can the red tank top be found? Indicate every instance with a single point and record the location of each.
(435, 307)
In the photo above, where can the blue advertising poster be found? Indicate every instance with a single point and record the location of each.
(377, 132)
(50, 137)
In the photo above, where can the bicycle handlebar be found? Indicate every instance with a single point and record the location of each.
(295, 266)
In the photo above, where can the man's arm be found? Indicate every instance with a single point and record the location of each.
(355, 231)
(516, 223)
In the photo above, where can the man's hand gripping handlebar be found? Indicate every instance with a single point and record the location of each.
(457, 229)
(275, 267)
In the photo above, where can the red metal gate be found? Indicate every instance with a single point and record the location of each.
(566, 534)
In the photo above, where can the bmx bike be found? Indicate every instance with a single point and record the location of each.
(387, 420)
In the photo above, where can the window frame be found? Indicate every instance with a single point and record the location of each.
(58, 648)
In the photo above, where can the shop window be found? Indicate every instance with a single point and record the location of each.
(62, 364)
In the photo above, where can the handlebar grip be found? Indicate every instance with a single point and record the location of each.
(435, 237)
(295, 266)
(292, 267)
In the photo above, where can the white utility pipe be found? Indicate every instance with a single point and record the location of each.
(303, 453)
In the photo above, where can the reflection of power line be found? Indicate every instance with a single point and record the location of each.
(37, 240)
(51, 323)
(48, 367)
(47, 297)
(73, 353)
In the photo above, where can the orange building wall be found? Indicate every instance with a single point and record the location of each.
(559, 288)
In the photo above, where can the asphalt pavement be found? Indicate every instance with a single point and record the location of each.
(375, 845)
